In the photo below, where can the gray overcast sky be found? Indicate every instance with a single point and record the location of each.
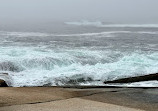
(118, 11)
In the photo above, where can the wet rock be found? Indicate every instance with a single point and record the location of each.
(77, 79)
(135, 79)
(3, 83)
(3, 79)
(4, 74)
(73, 80)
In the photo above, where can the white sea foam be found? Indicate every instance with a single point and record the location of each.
(132, 25)
(106, 34)
(85, 23)
(153, 83)
(35, 34)
(24, 34)
(143, 84)
(147, 32)
(98, 34)
(38, 67)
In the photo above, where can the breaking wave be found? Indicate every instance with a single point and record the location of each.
(85, 23)
(46, 59)
(102, 24)
(98, 34)
(31, 66)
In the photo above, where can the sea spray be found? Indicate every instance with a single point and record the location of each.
(47, 59)
(34, 67)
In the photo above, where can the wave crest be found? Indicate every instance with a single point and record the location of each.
(101, 24)
(32, 67)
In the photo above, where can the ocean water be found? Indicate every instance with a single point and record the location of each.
(80, 57)
(102, 24)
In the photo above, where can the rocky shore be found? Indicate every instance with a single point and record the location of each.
(4, 78)
(78, 99)
(148, 77)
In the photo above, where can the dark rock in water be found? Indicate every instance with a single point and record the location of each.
(135, 79)
(4, 73)
(79, 80)
(73, 80)
(48, 84)
(3, 83)
(4, 79)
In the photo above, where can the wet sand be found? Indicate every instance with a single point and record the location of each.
(78, 99)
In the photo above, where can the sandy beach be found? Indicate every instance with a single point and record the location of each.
(78, 99)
